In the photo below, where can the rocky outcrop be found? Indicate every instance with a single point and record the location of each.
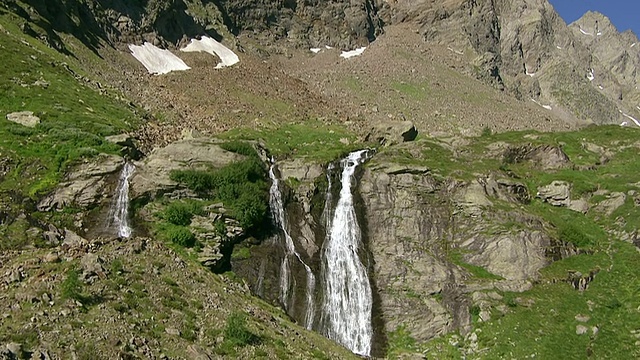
(86, 186)
(392, 133)
(152, 176)
(24, 118)
(406, 225)
(342, 24)
(524, 46)
(422, 245)
(558, 193)
(544, 157)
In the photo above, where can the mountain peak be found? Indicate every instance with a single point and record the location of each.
(594, 23)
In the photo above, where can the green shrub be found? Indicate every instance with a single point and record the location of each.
(196, 180)
(72, 286)
(240, 147)
(180, 235)
(241, 186)
(181, 213)
(236, 331)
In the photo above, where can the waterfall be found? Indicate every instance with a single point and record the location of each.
(326, 213)
(277, 210)
(346, 308)
(119, 212)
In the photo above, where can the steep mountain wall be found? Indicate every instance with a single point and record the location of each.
(525, 47)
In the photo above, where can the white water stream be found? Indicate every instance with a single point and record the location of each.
(119, 212)
(347, 304)
(277, 210)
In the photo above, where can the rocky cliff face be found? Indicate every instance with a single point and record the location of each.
(525, 47)
(426, 238)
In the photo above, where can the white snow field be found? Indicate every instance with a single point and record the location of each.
(315, 50)
(631, 118)
(211, 46)
(352, 53)
(156, 60)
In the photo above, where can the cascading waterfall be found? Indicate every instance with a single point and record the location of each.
(347, 304)
(326, 213)
(119, 212)
(277, 209)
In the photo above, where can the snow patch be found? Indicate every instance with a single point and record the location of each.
(155, 60)
(328, 47)
(211, 46)
(600, 87)
(590, 75)
(526, 71)
(455, 51)
(599, 33)
(586, 33)
(634, 44)
(624, 123)
(315, 50)
(548, 107)
(558, 47)
(352, 53)
(631, 118)
(638, 107)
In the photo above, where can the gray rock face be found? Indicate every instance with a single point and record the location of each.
(152, 174)
(343, 24)
(419, 241)
(516, 256)
(525, 47)
(24, 118)
(85, 186)
(406, 224)
(392, 133)
(558, 193)
(612, 203)
(544, 157)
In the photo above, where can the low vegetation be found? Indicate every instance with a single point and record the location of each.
(241, 186)
(74, 116)
(313, 140)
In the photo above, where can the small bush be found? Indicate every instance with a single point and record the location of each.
(72, 286)
(181, 213)
(236, 331)
(198, 181)
(241, 186)
(180, 235)
(240, 147)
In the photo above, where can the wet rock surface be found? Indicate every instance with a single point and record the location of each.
(85, 186)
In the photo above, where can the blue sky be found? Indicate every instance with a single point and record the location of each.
(624, 14)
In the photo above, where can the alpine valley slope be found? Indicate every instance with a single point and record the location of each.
(486, 231)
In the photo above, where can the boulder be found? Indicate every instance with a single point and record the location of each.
(505, 189)
(579, 205)
(24, 118)
(544, 157)
(91, 265)
(612, 203)
(392, 133)
(558, 193)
